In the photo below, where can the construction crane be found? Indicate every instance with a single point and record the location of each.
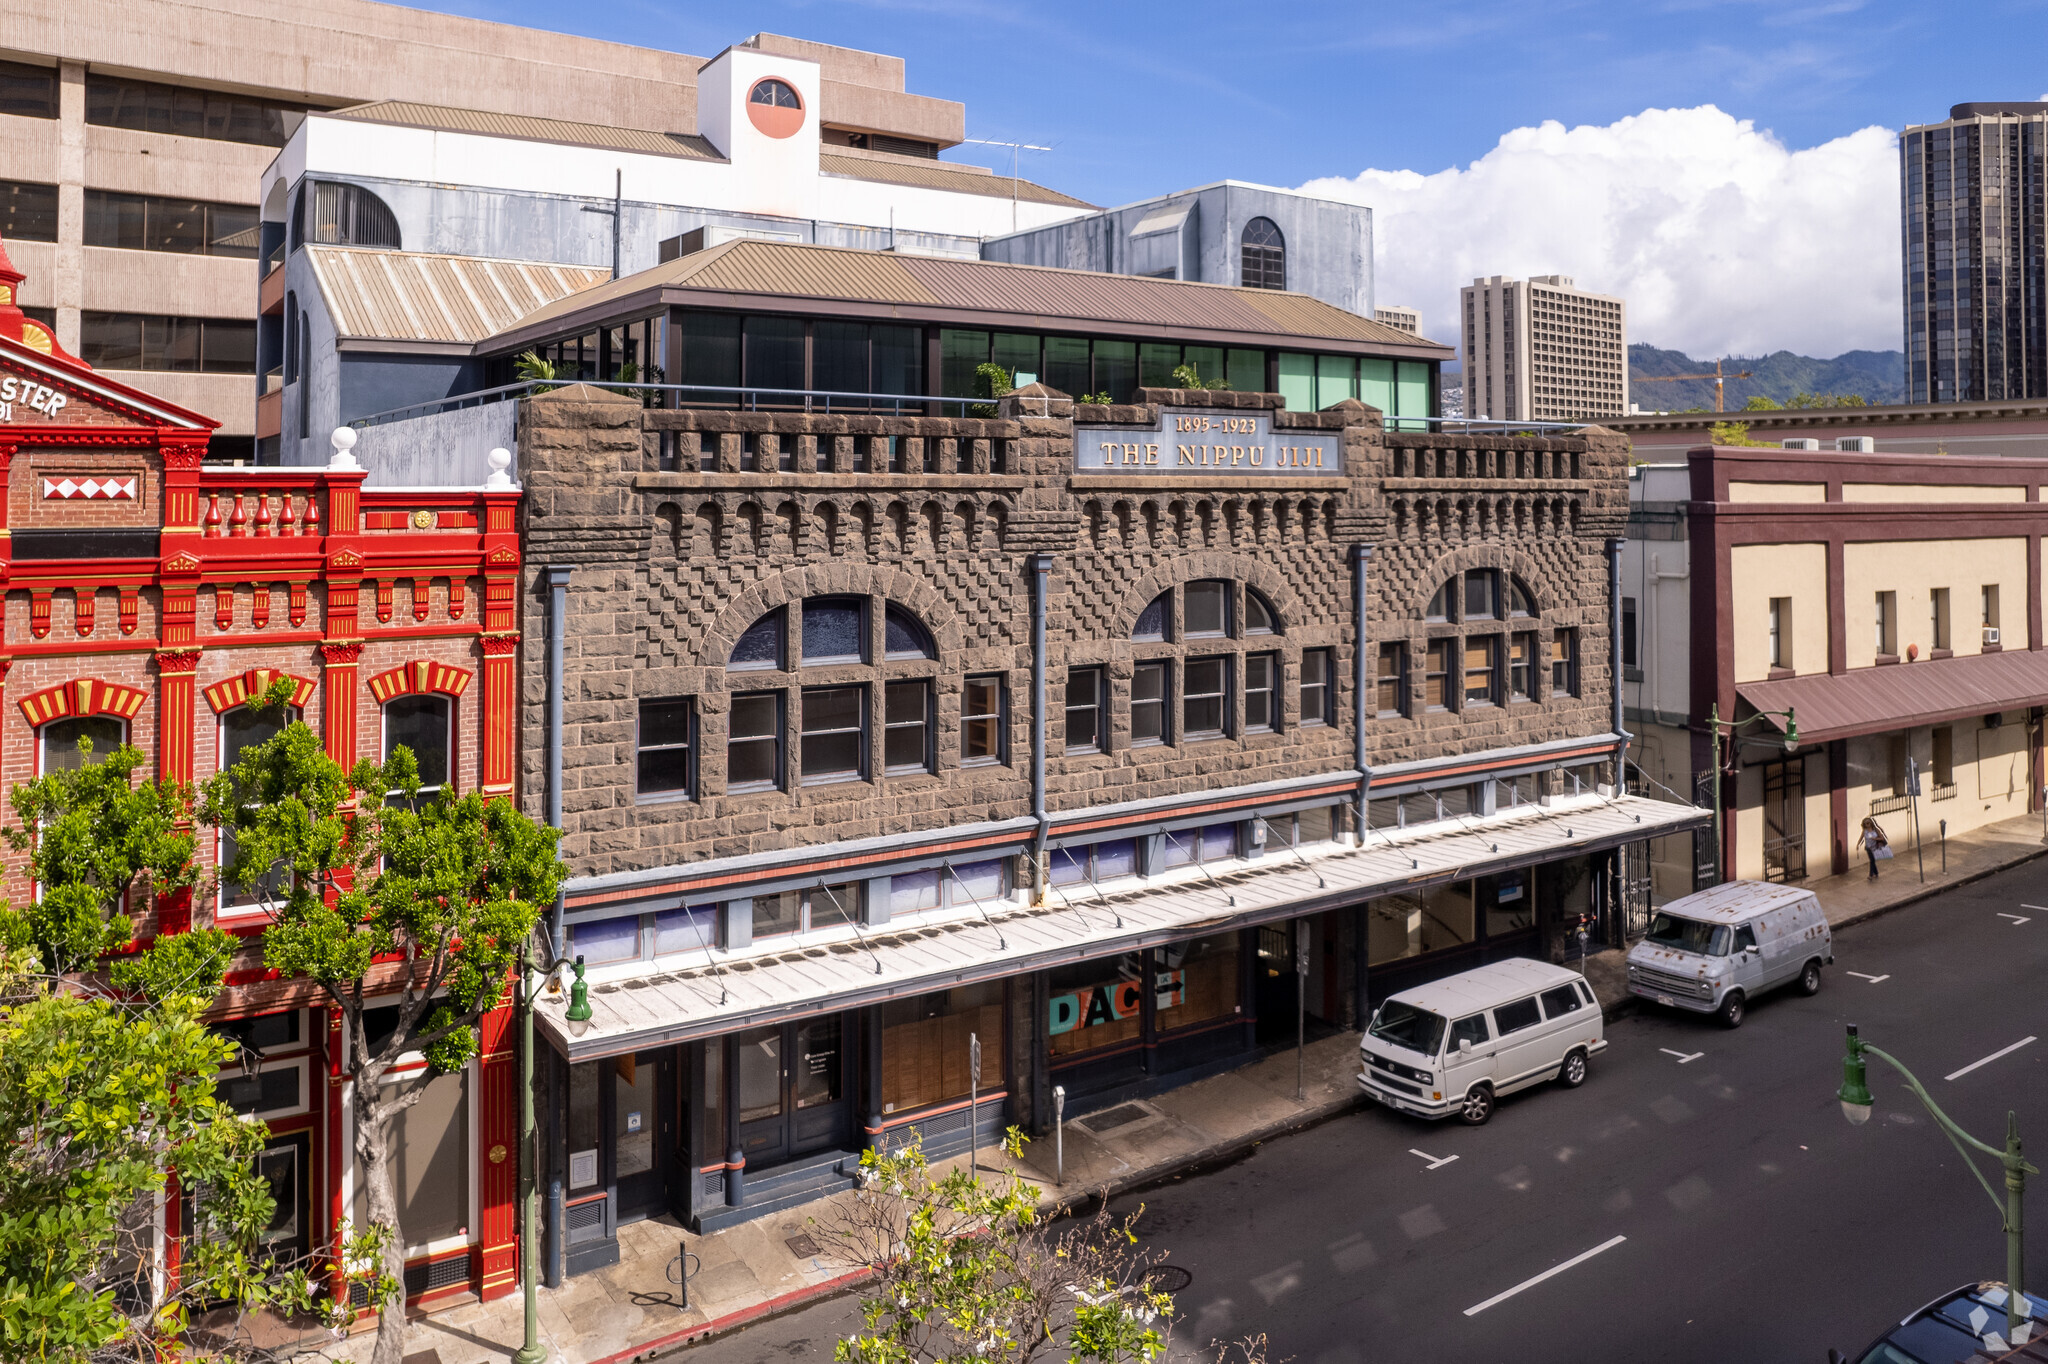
(1717, 376)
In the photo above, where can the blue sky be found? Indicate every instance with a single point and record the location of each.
(1139, 99)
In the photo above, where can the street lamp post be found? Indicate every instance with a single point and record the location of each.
(578, 1018)
(1856, 1103)
(1716, 727)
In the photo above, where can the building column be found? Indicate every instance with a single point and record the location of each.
(67, 282)
(495, 1270)
(499, 754)
(176, 675)
(339, 703)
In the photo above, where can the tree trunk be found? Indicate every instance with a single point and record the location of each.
(373, 1145)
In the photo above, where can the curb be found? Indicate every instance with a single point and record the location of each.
(778, 1306)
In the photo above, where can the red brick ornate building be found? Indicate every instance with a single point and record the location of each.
(148, 597)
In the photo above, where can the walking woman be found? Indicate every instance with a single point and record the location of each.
(1875, 845)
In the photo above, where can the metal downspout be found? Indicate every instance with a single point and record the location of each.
(1614, 548)
(1361, 559)
(557, 576)
(1041, 581)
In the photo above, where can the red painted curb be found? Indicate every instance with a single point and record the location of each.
(734, 1319)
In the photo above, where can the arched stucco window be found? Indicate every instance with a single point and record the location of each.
(1263, 255)
(349, 215)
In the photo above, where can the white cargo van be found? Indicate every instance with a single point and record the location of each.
(1456, 1045)
(1714, 951)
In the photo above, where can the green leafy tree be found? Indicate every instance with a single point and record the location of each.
(1732, 433)
(1759, 403)
(535, 368)
(380, 890)
(975, 1271)
(1187, 376)
(993, 381)
(94, 835)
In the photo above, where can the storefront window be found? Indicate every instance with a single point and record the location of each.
(429, 1163)
(818, 1070)
(1097, 861)
(633, 1114)
(606, 940)
(925, 1045)
(1193, 982)
(1507, 901)
(912, 891)
(1095, 1004)
(712, 1100)
(758, 1056)
(686, 930)
(1410, 925)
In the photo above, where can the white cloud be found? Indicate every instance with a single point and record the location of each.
(1722, 240)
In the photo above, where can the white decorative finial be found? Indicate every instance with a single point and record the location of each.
(343, 440)
(500, 460)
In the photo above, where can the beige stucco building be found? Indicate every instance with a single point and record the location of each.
(133, 138)
(1889, 606)
(1543, 349)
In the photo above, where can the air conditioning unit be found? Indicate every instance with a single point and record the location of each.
(1799, 443)
(1862, 445)
(1991, 634)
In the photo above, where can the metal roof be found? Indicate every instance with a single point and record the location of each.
(415, 296)
(1733, 902)
(405, 113)
(1032, 295)
(940, 175)
(1903, 695)
(707, 992)
(1483, 987)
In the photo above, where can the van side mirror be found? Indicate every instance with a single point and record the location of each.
(1465, 1046)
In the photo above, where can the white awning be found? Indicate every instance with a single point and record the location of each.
(704, 993)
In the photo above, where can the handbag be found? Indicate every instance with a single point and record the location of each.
(1882, 852)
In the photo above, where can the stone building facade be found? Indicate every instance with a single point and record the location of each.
(824, 842)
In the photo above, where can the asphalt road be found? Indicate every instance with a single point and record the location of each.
(1725, 1209)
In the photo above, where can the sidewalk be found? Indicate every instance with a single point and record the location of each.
(1853, 895)
(760, 1268)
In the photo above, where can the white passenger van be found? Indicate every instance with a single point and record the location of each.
(1714, 951)
(1456, 1045)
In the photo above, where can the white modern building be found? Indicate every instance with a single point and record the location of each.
(1543, 349)
(1400, 315)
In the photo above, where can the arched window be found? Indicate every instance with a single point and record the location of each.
(856, 674)
(1263, 255)
(781, 94)
(349, 215)
(60, 749)
(424, 723)
(1194, 693)
(242, 728)
(1484, 645)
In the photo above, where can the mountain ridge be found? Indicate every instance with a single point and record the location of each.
(1876, 376)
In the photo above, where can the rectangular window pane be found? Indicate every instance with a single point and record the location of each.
(1208, 363)
(1298, 381)
(28, 91)
(1116, 369)
(664, 747)
(1118, 857)
(110, 340)
(1411, 397)
(1194, 982)
(1389, 678)
(1410, 925)
(1480, 655)
(1148, 703)
(1436, 675)
(984, 881)
(1336, 379)
(778, 914)
(775, 352)
(961, 354)
(1094, 1004)
(925, 1046)
(831, 906)
(1066, 364)
(694, 929)
(1016, 352)
(711, 350)
(1564, 663)
(904, 746)
(834, 737)
(606, 940)
(1068, 866)
(1247, 371)
(898, 359)
(228, 347)
(1259, 671)
(839, 357)
(1315, 686)
(1156, 364)
(1205, 608)
(1522, 668)
(1376, 385)
(28, 212)
(1084, 705)
(981, 722)
(753, 750)
(1315, 825)
(911, 891)
(1206, 701)
(148, 107)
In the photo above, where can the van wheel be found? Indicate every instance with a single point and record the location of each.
(1809, 979)
(1478, 1107)
(1573, 1073)
(1731, 1011)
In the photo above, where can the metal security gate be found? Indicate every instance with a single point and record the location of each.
(1633, 872)
(1785, 820)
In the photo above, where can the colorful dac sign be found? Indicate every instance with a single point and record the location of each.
(1204, 441)
(1113, 1002)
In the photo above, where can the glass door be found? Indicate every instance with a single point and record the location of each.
(818, 1085)
(640, 1136)
(763, 1108)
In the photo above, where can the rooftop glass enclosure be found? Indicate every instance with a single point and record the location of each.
(756, 351)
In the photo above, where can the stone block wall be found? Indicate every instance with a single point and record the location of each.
(684, 527)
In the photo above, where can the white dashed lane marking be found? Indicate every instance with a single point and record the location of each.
(1549, 1273)
(1682, 1057)
(1872, 979)
(1434, 1161)
(2002, 1051)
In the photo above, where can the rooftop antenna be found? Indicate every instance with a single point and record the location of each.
(1015, 149)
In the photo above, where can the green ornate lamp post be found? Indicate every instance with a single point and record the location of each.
(1856, 1102)
(577, 1016)
(1717, 727)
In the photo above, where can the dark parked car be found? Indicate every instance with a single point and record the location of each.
(1965, 1326)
